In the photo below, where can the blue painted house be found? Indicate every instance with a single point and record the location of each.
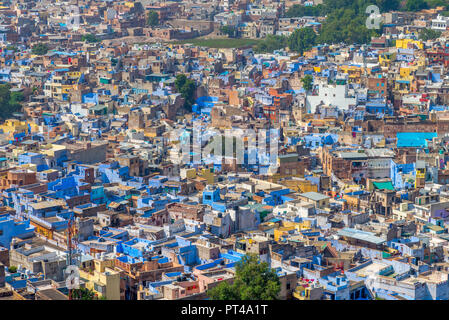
(10, 229)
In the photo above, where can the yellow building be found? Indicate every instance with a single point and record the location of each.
(405, 72)
(300, 185)
(189, 173)
(354, 72)
(208, 175)
(282, 232)
(287, 227)
(60, 86)
(103, 279)
(307, 291)
(51, 149)
(420, 62)
(420, 180)
(13, 126)
(403, 82)
(409, 43)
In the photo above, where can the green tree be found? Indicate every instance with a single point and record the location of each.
(9, 101)
(180, 81)
(347, 26)
(271, 43)
(307, 83)
(91, 38)
(83, 294)
(388, 5)
(186, 87)
(302, 40)
(40, 49)
(231, 31)
(345, 19)
(12, 269)
(153, 18)
(298, 10)
(429, 34)
(359, 6)
(437, 3)
(253, 281)
(16, 97)
(416, 5)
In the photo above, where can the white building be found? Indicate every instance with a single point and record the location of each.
(441, 23)
(332, 95)
(228, 18)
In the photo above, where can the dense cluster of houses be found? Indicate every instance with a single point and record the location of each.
(347, 197)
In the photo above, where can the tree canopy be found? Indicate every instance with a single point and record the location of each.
(40, 49)
(83, 294)
(416, 5)
(346, 25)
(329, 6)
(307, 82)
(302, 40)
(298, 10)
(9, 101)
(437, 3)
(253, 281)
(91, 38)
(186, 87)
(271, 43)
(230, 31)
(12, 269)
(429, 34)
(153, 18)
(346, 19)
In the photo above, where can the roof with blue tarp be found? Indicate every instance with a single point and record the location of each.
(414, 139)
(383, 185)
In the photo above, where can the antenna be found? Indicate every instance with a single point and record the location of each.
(71, 231)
